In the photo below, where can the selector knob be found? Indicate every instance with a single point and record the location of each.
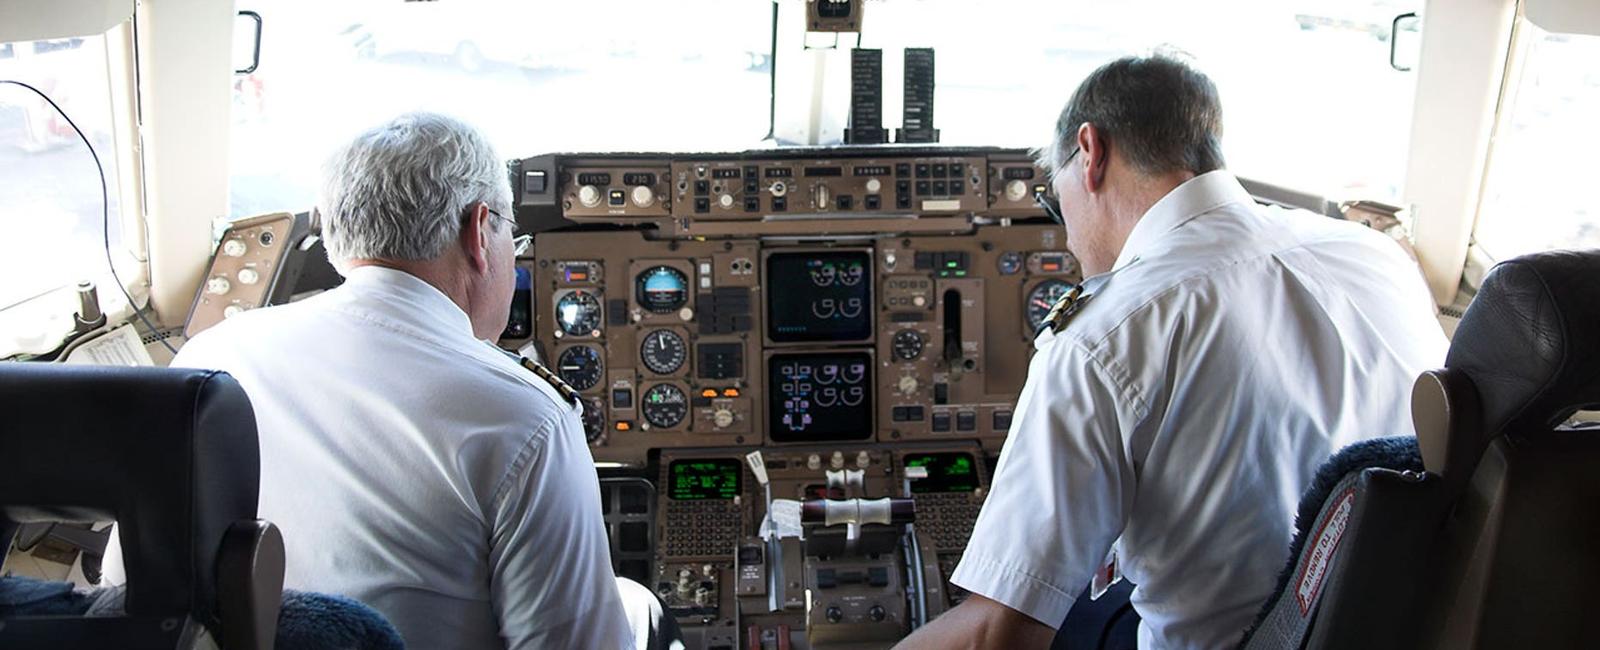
(908, 384)
(834, 614)
(813, 462)
(643, 196)
(218, 285)
(589, 196)
(726, 200)
(232, 310)
(778, 189)
(1016, 190)
(876, 613)
(248, 276)
(234, 248)
(863, 460)
(723, 419)
(702, 597)
(873, 185)
(838, 460)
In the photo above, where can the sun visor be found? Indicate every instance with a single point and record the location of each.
(31, 20)
(1564, 16)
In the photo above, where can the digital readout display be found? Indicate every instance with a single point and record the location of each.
(822, 296)
(703, 479)
(815, 397)
(952, 471)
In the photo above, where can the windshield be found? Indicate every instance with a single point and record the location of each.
(1309, 99)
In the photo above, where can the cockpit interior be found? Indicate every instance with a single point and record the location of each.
(791, 308)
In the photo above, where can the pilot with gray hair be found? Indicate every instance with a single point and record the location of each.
(409, 462)
(1180, 401)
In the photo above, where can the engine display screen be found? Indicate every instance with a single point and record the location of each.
(704, 479)
(950, 471)
(819, 296)
(815, 397)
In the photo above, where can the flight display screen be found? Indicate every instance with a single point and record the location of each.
(819, 296)
(813, 397)
(704, 479)
(950, 471)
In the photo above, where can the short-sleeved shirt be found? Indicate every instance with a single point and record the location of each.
(1182, 410)
(420, 470)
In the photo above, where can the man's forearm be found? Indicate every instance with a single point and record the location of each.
(980, 623)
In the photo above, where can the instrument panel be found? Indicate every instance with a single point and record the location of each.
(862, 317)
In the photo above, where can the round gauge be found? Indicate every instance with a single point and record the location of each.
(665, 406)
(663, 352)
(580, 366)
(1010, 263)
(594, 419)
(1043, 297)
(662, 289)
(578, 313)
(907, 345)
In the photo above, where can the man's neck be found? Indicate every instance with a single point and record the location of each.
(436, 272)
(1127, 208)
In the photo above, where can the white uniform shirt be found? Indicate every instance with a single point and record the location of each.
(421, 471)
(1181, 412)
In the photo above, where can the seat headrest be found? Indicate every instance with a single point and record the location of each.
(170, 454)
(1530, 341)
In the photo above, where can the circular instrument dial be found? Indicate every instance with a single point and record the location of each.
(663, 352)
(1010, 263)
(578, 313)
(662, 289)
(665, 406)
(1044, 296)
(907, 345)
(580, 366)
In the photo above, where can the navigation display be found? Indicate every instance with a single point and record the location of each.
(704, 479)
(815, 397)
(819, 296)
(950, 471)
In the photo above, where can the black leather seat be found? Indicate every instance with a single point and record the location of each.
(171, 455)
(1492, 544)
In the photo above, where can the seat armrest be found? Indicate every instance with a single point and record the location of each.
(250, 568)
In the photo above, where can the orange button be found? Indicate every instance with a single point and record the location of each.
(624, 425)
(709, 392)
(730, 392)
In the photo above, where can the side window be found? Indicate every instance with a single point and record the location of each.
(51, 233)
(1537, 190)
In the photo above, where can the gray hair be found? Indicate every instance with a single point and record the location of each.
(401, 191)
(1161, 114)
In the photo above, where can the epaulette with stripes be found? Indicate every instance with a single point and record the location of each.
(567, 391)
(1063, 311)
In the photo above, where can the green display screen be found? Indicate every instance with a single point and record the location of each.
(947, 472)
(701, 479)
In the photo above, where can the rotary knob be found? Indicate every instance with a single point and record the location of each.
(702, 597)
(589, 196)
(863, 459)
(834, 614)
(234, 248)
(876, 613)
(248, 276)
(218, 285)
(908, 385)
(813, 462)
(723, 418)
(778, 189)
(874, 185)
(837, 462)
(232, 310)
(726, 201)
(1016, 190)
(643, 196)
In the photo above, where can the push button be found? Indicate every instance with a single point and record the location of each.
(941, 422)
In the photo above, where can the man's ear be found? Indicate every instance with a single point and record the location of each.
(475, 237)
(1096, 155)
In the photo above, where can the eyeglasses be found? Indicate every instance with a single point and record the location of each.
(1047, 200)
(520, 243)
